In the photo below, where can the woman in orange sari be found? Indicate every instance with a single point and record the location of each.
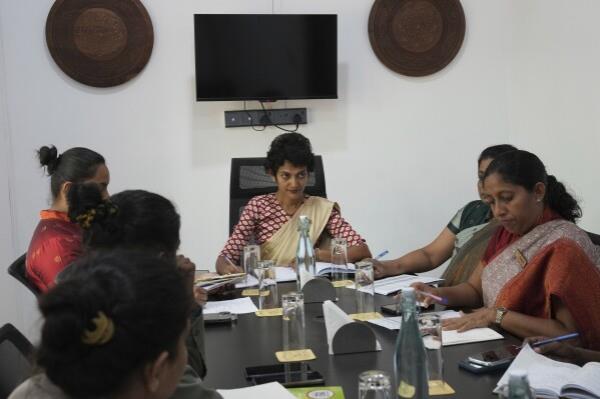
(540, 274)
(56, 241)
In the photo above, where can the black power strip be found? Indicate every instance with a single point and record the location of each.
(269, 117)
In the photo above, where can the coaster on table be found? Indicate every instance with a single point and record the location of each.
(254, 292)
(437, 387)
(269, 312)
(295, 356)
(366, 316)
(342, 283)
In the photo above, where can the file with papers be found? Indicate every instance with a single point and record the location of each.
(553, 379)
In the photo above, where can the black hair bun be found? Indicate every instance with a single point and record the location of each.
(49, 158)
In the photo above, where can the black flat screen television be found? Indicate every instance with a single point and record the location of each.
(265, 57)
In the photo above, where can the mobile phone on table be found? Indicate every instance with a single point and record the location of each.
(220, 318)
(392, 309)
(495, 357)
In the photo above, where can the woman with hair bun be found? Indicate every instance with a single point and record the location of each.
(56, 241)
(109, 332)
(540, 274)
(272, 219)
(141, 220)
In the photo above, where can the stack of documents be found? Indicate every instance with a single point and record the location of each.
(212, 281)
(452, 337)
(552, 379)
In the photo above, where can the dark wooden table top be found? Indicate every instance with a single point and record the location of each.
(253, 341)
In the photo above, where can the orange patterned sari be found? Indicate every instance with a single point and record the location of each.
(555, 259)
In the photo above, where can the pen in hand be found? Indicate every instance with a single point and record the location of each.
(555, 339)
(381, 255)
(439, 299)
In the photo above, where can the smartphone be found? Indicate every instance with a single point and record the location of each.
(392, 309)
(495, 357)
(291, 380)
(220, 318)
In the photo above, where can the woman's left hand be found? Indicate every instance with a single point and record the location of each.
(483, 317)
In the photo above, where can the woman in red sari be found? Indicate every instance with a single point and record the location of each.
(56, 241)
(540, 274)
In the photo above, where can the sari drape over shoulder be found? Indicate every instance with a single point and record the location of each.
(281, 247)
(555, 259)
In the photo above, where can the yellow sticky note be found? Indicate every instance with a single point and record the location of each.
(342, 283)
(295, 356)
(269, 312)
(438, 387)
(366, 316)
(254, 292)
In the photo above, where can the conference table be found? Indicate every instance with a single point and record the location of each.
(253, 341)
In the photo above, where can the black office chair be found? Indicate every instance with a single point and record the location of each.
(594, 237)
(16, 364)
(249, 178)
(17, 270)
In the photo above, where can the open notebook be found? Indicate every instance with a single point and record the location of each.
(552, 379)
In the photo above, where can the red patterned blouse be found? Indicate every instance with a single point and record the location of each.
(263, 216)
(56, 242)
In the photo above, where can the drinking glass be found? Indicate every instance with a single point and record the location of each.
(374, 384)
(339, 259)
(293, 321)
(251, 258)
(267, 284)
(365, 287)
(430, 326)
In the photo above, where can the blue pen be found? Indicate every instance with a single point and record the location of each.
(381, 255)
(555, 339)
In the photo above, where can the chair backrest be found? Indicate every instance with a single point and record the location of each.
(594, 237)
(17, 270)
(249, 178)
(16, 364)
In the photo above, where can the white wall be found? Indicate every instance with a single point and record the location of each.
(555, 93)
(399, 152)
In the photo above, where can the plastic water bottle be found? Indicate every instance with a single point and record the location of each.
(410, 361)
(305, 254)
(518, 385)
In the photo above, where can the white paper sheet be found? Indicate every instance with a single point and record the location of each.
(272, 390)
(388, 285)
(250, 281)
(449, 338)
(285, 274)
(236, 306)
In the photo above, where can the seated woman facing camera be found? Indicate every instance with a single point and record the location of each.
(540, 275)
(272, 219)
(115, 327)
(56, 241)
(141, 220)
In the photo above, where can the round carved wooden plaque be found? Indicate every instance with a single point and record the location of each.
(100, 43)
(416, 37)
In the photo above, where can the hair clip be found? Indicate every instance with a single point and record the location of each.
(103, 332)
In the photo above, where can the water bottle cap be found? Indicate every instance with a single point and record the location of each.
(519, 373)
